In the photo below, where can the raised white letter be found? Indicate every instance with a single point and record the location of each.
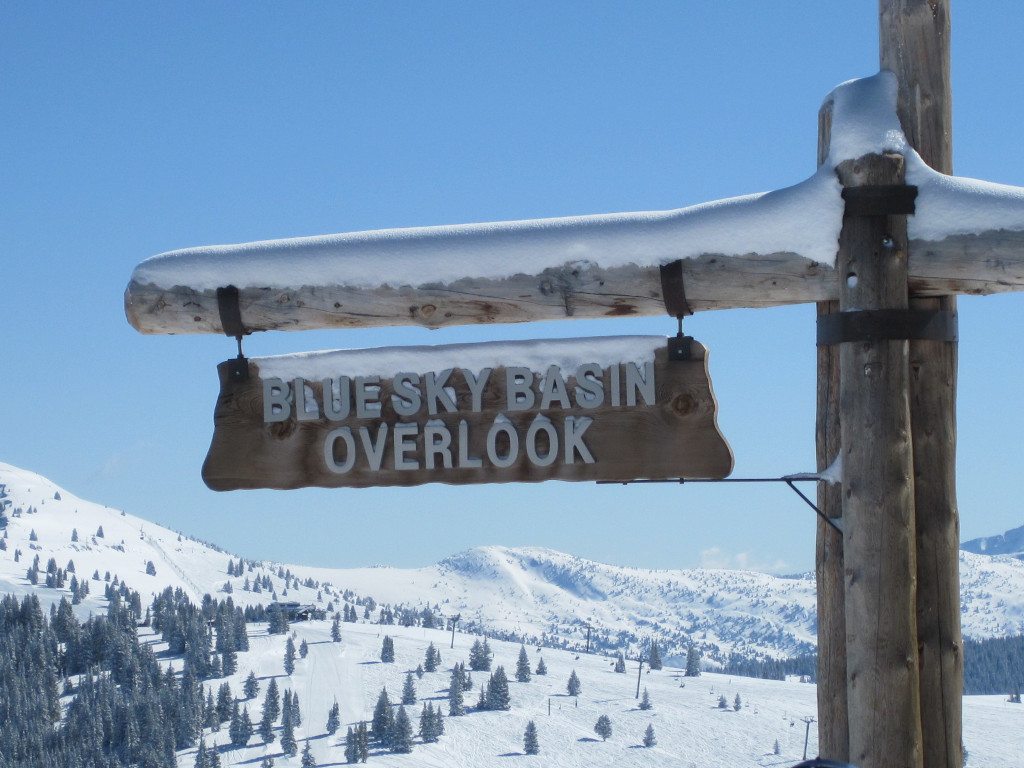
(574, 429)
(403, 444)
(341, 433)
(303, 396)
(437, 440)
(374, 449)
(542, 424)
(406, 398)
(554, 389)
(276, 405)
(518, 392)
(367, 389)
(589, 386)
(465, 460)
(501, 424)
(437, 394)
(476, 387)
(640, 382)
(337, 409)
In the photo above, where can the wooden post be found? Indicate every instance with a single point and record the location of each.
(878, 489)
(914, 43)
(833, 717)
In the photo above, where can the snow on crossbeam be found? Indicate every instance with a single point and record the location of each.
(758, 250)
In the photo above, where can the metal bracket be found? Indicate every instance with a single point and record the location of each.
(887, 324)
(673, 293)
(230, 313)
(231, 323)
(880, 200)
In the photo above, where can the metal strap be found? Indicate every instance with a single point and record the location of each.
(673, 292)
(885, 324)
(880, 200)
(230, 312)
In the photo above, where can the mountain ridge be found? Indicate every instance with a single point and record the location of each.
(533, 594)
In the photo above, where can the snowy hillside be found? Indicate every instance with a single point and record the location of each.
(539, 595)
(691, 729)
(527, 592)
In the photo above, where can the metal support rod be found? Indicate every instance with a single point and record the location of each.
(787, 480)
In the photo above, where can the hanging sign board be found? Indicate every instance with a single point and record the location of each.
(611, 408)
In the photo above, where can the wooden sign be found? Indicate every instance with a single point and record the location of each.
(611, 408)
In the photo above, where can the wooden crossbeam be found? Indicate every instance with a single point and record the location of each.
(990, 262)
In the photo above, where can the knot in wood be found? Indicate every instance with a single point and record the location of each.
(684, 404)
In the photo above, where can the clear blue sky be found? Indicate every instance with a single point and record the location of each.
(130, 129)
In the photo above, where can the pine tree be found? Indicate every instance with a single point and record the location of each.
(498, 696)
(431, 726)
(456, 703)
(214, 756)
(202, 759)
(654, 662)
(382, 718)
(336, 631)
(267, 762)
(603, 727)
(247, 730)
(401, 733)
(723, 702)
(307, 756)
(409, 690)
(362, 742)
(387, 650)
(351, 748)
(542, 668)
(235, 729)
(296, 712)
(272, 701)
(573, 686)
(303, 650)
(481, 702)
(225, 703)
(737, 704)
(251, 686)
(649, 738)
(620, 663)
(480, 656)
(289, 657)
(288, 744)
(531, 745)
(523, 666)
(692, 662)
(334, 720)
(645, 702)
(432, 659)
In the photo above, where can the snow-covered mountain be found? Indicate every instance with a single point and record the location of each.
(538, 595)
(526, 592)
(1009, 543)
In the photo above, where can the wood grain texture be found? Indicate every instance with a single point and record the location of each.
(914, 43)
(990, 262)
(878, 491)
(676, 437)
(833, 714)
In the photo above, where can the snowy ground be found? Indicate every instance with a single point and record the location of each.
(691, 729)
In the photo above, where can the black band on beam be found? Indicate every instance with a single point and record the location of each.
(886, 324)
(880, 200)
(673, 292)
(230, 312)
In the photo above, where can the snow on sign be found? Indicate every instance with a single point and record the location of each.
(611, 408)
